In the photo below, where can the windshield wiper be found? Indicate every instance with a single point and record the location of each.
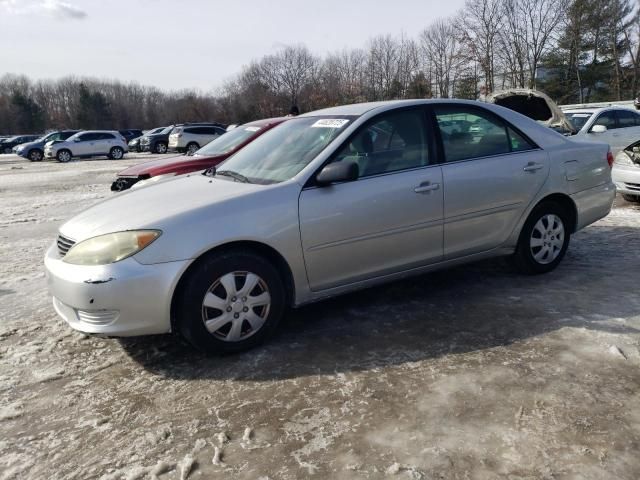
(235, 175)
(210, 172)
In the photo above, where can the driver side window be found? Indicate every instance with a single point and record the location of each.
(608, 119)
(389, 143)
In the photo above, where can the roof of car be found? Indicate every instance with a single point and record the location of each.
(598, 110)
(263, 122)
(358, 109)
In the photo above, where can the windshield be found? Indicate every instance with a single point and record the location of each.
(283, 152)
(156, 130)
(227, 142)
(578, 120)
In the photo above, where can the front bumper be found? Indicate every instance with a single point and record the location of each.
(626, 178)
(124, 299)
(124, 183)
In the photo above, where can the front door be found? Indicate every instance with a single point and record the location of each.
(389, 220)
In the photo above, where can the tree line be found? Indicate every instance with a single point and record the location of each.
(574, 50)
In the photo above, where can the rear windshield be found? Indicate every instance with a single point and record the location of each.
(578, 120)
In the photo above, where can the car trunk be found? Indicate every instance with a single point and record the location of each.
(535, 105)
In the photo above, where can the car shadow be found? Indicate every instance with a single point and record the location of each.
(469, 308)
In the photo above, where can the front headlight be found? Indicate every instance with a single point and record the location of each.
(19, 149)
(623, 159)
(110, 248)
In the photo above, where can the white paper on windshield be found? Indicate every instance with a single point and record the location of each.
(330, 123)
(252, 129)
(580, 115)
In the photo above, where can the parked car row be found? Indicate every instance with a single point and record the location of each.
(318, 205)
(65, 145)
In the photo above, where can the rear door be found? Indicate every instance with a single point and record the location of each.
(491, 173)
(390, 219)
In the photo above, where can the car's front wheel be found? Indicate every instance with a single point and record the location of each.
(544, 239)
(631, 198)
(192, 148)
(161, 147)
(116, 153)
(35, 155)
(230, 302)
(63, 156)
(8, 150)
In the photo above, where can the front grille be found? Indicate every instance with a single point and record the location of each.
(64, 244)
(124, 183)
(633, 186)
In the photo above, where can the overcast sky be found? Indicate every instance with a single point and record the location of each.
(189, 43)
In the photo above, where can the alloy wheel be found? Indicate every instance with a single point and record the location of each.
(236, 306)
(547, 239)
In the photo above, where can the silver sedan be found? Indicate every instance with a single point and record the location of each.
(326, 203)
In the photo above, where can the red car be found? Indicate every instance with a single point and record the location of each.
(210, 155)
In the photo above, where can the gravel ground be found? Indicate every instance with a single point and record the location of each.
(475, 372)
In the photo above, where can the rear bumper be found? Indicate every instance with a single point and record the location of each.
(626, 179)
(594, 204)
(126, 298)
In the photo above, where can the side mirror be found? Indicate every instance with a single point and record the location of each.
(598, 129)
(345, 171)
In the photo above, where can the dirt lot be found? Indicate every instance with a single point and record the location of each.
(475, 372)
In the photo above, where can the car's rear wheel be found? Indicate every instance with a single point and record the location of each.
(161, 147)
(116, 153)
(230, 302)
(35, 155)
(631, 198)
(8, 150)
(544, 239)
(192, 148)
(63, 156)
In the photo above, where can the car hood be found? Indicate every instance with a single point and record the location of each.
(156, 207)
(533, 104)
(180, 164)
(37, 143)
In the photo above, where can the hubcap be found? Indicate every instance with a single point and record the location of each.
(192, 149)
(547, 239)
(117, 153)
(236, 306)
(64, 156)
(36, 156)
(162, 148)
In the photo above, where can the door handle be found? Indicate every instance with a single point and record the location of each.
(532, 167)
(426, 187)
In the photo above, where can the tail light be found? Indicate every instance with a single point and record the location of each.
(610, 159)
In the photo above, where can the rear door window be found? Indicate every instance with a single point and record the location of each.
(627, 118)
(478, 133)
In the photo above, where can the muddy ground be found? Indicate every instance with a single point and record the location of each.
(470, 373)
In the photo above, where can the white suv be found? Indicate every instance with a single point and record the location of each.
(92, 143)
(189, 138)
(617, 126)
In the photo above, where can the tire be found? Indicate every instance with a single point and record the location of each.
(229, 329)
(8, 150)
(192, 148)
(547, 226)
(631, 198)
(35, 155)
(63, 156)
(160, 147)
(116, 153)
